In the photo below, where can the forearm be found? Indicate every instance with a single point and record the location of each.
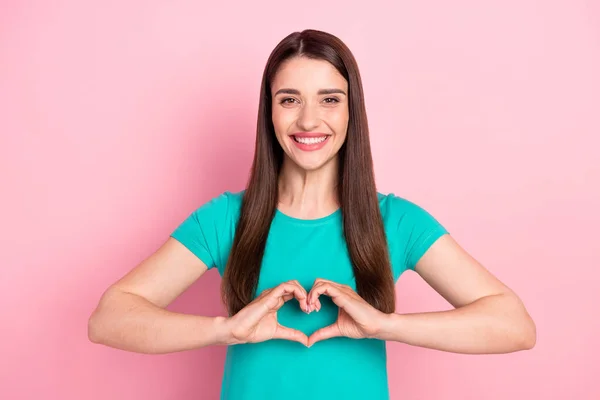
(493, 324)
(129, 322)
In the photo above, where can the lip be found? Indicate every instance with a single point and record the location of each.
(310, 147)
(309, 134)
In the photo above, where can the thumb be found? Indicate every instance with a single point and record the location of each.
(286, 333)
(324, 333)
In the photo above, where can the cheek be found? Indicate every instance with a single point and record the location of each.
(339, 122)
(281, 120)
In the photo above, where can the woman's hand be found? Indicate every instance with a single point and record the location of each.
(257, 322)
(357, 319)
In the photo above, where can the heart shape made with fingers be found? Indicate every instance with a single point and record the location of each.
(355, 319)
(258, 321)
(354, 313)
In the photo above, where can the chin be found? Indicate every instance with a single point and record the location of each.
(311, 165)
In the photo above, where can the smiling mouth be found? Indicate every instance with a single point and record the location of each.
(310, 140)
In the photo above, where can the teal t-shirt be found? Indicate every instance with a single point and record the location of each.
(304, 250)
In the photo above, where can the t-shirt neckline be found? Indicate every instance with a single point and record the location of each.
(315, 221)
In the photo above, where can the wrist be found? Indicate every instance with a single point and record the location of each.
(387, 323)
(222, 328)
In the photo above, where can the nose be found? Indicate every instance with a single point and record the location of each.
(308, 119)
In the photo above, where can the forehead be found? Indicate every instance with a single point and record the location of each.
(308, 75)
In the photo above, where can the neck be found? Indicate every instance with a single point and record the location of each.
(308, 194)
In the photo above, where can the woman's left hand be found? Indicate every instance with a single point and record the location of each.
(357, 319)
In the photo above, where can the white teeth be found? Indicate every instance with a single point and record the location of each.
(310, 140)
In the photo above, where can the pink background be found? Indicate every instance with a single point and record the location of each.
(117, 119)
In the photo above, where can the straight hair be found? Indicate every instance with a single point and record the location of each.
(362, 221)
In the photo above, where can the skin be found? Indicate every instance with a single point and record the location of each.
(488, 317)
(308, 179)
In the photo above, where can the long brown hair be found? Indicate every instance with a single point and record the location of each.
(362, 221)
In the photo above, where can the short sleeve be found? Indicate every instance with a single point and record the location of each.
(413, 230)
(201, 232)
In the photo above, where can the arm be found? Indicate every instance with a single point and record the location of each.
(488, 316)
(131, 315)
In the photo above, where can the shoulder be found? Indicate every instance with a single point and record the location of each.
(208, 230)
(407, 220)
(226, 205)
(411, 229)
(396, 207)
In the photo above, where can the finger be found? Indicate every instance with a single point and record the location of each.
(315, 305)
(324, 333)
(289, 288)
(321, 280)
(302, 297)
(304, 305)
(286, 333)
(312, 295)
(336, 294)
(299, 285)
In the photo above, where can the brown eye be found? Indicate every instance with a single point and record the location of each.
(333, 100)
(287, 100)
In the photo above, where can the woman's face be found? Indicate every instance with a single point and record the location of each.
(310, 111)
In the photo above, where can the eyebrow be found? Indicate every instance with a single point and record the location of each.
(321, 91)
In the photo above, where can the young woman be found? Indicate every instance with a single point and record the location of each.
(309, 254)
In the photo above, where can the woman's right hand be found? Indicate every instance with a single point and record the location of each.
(257, 322)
